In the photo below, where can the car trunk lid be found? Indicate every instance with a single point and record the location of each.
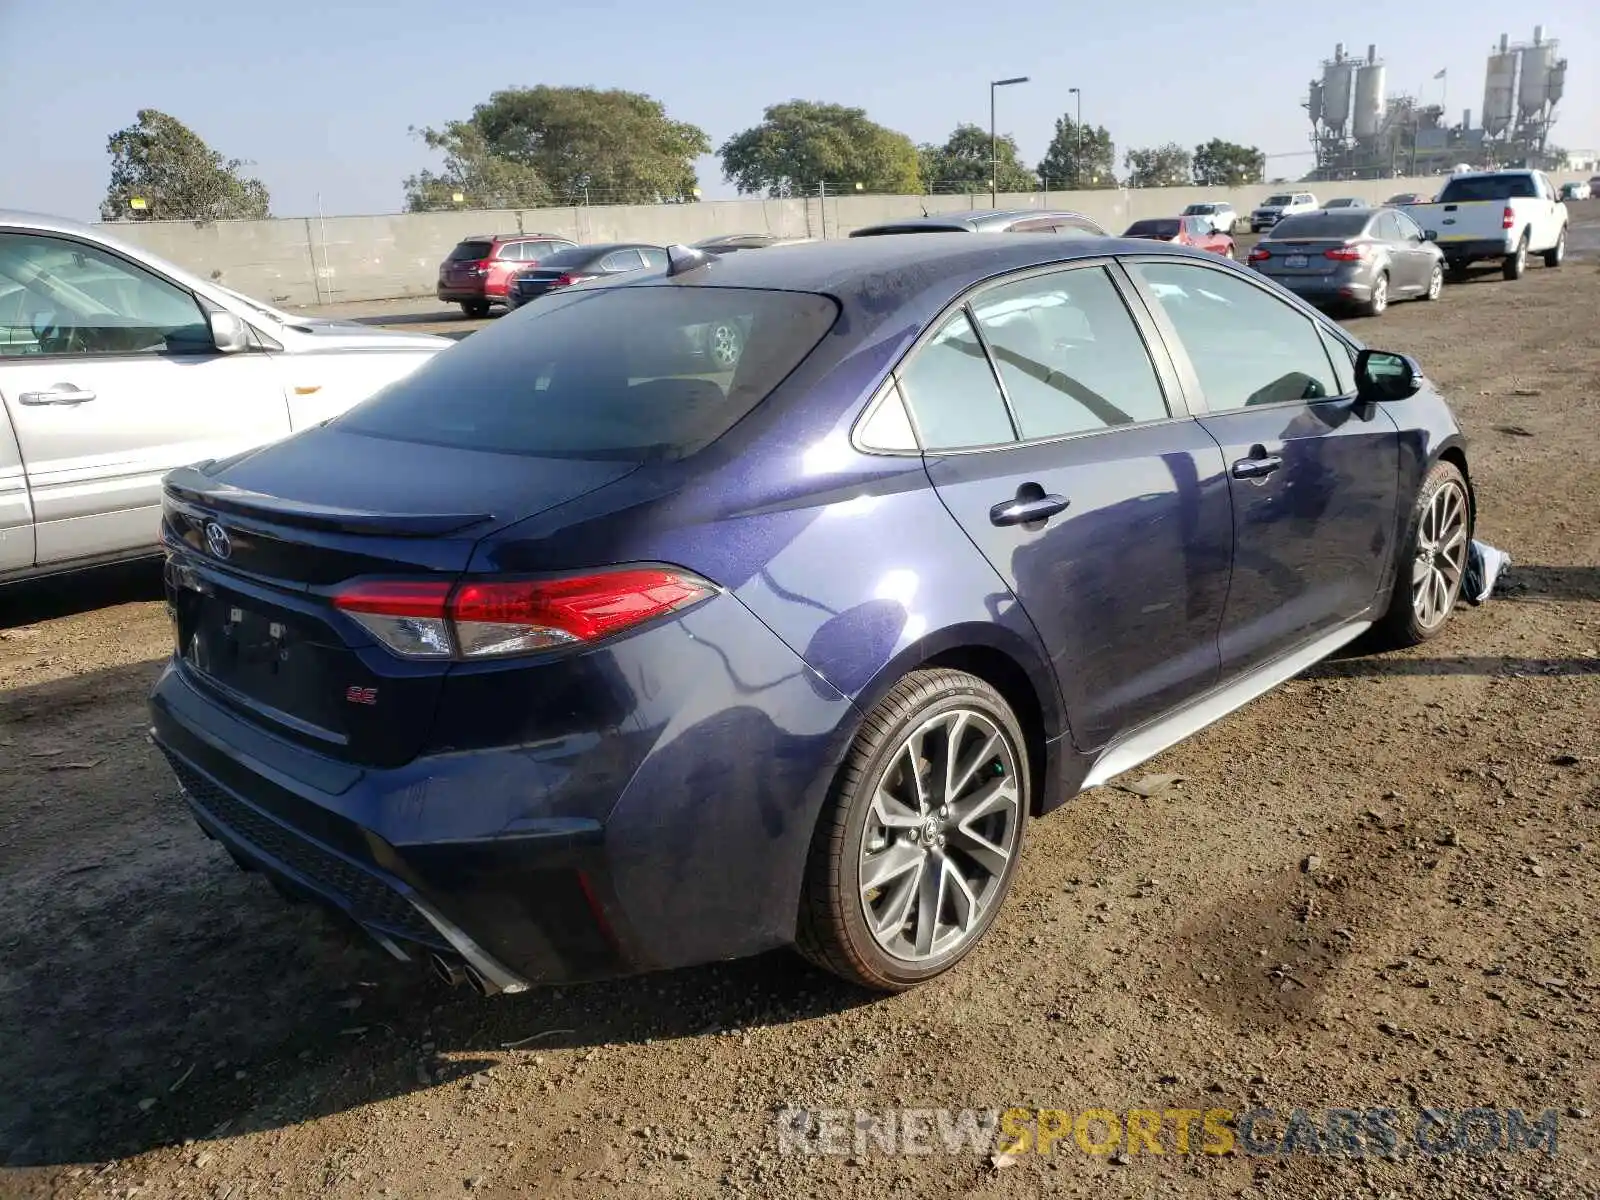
(252, 574)
(1300, 256)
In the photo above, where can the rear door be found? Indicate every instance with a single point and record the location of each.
(1051, 439)
(1312, 471)
(1406, 244)
(121, 384)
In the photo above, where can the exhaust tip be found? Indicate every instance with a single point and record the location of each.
(449, 970)
(479, 984)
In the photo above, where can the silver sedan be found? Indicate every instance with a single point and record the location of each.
(1356, 257)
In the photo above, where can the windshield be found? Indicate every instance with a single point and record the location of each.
(1321, 225)
(1488, 187)
(471, 251)
(632, 374)
(1164, 227)
(1200, 210)
(574, 256)
(1280, 200)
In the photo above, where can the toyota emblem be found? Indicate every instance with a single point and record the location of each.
(217, 540)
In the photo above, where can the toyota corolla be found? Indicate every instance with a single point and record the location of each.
(573, 655)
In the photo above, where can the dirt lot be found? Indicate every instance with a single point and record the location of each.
(1375, 887)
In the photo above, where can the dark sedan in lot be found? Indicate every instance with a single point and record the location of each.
(579, 264)
(554, 661)
(989, 220)
(1361, 258)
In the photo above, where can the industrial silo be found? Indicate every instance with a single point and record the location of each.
(1558, 82)
(1534, 88)
(1314, 102)
(1500, 90)
(1338, 74)
(1368, 117)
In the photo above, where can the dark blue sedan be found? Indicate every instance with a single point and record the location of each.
(576, 654)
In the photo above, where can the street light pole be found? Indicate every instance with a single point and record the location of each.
(1077, 159)
(994, 141)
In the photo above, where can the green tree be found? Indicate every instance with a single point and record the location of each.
(565, 143)
(1227, 164)
(801, 144)
(1060, 167)
(1167, 165)
(962, 163)
(481, 178)
(160, 160)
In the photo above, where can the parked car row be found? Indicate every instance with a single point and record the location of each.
(1195, 231)
(1364, 258)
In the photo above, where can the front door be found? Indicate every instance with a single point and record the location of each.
(1050, 440)
(1313, 472)
(117, 383)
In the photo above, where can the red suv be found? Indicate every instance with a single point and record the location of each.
(476, 271)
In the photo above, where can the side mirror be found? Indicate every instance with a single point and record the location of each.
(1430, 235)
(1382, 375)
(229, 333)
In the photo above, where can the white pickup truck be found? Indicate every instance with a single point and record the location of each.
(1505, 215)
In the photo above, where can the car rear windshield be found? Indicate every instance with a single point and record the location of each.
(574, 256)
(1162, 228)
(1488, 187)
(1283, 198)
(621, 373)
(1333, 224)
(471, 251)
(1200, 210)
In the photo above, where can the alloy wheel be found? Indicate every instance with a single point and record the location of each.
(1441, 558)
(1436, 282)
(1380, 294)
(945, 822)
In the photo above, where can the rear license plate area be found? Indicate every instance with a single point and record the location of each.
(261, 657)
(1294, 261)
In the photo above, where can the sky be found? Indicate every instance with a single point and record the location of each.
(320, 96)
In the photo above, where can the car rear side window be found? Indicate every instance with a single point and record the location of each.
(1069, 354)
(952, 392)
(471, 251)
(1248, 347)
(619, 373)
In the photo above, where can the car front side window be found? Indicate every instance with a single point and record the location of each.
(79, 299)
(1247, 346)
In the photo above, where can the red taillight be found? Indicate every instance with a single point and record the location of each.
(493, 618)
(1508, 218)
(1260, 254)
(569, 280)
(1347, 253)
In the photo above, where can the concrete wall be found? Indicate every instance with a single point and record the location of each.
(308, 260)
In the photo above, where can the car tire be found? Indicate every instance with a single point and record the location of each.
(1435, 283)
(1557, 254)
(1379, 303)
(476, 309)
(1517, 261)
(910, 828)
(1440, 515)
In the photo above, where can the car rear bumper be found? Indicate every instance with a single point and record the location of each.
(456, 293)
(644, 844)
(1335, 287)
(1467, 250)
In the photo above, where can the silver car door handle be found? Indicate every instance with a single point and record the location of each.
(61, 393)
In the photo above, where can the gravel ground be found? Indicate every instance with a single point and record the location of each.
(1374, 887)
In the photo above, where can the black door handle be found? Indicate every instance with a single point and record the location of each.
(1256, 468)
(1025, 511)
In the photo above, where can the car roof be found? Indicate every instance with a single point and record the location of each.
(515, 237)
(888, 274)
